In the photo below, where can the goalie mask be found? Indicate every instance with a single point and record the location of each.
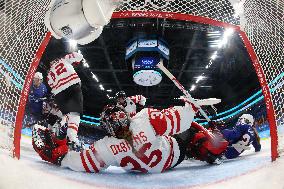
(114, 120)
(246, 119)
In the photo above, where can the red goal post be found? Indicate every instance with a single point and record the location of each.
(258, 22)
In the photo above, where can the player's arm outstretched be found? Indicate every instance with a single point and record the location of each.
(138, 99)
(171, 121)
(88, 160)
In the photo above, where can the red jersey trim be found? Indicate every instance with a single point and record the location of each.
(159, 125)
(171, 155)
(84, 163)
(52, 85)
(178, 121)
(91, 161)
(73, 127)
(66, 80)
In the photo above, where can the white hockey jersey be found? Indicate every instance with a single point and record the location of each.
(130, 104)
(62, 74)
(153, 150)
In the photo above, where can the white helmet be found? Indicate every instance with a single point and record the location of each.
(38, 75)
(246, 119)
(82, 21)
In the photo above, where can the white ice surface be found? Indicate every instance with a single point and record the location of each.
(251, 170)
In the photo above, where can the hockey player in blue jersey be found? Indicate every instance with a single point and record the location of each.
(38, 92)
(241, 136)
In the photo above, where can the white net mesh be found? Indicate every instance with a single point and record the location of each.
(220, 10)
(22, 31)
(265, 29)
(6, 134)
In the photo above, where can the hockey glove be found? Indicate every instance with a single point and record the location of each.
(47, 146)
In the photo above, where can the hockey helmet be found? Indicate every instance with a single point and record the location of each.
(38, 75)
(82, 21)
(246, 119)
(114, 119)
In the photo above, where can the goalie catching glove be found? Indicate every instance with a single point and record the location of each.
(47, 146)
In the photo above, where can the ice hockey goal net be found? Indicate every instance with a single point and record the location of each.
(24, 37)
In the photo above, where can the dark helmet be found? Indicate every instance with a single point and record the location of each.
(114, 119)
(120, 94)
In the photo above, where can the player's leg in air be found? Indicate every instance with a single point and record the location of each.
(47, 145)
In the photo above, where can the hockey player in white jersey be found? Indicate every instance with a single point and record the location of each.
(144, 143)
(130, 103)
(65, 84)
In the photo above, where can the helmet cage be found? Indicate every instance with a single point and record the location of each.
(113, 119)
(244, 120)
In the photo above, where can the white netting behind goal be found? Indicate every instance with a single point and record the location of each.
(6, 134)
(265, 30)
(22, 31)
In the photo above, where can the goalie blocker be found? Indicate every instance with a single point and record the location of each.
(82, 21)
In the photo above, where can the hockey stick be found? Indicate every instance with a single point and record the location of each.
(185, 92)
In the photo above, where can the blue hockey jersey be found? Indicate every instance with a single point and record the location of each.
(35, 98)
(240, 138)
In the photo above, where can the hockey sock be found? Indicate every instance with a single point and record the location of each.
(73, 120)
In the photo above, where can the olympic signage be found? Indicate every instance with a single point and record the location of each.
(142, 45)
(147, 43)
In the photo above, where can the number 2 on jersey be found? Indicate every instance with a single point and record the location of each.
(59, 69)
(243, 144)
